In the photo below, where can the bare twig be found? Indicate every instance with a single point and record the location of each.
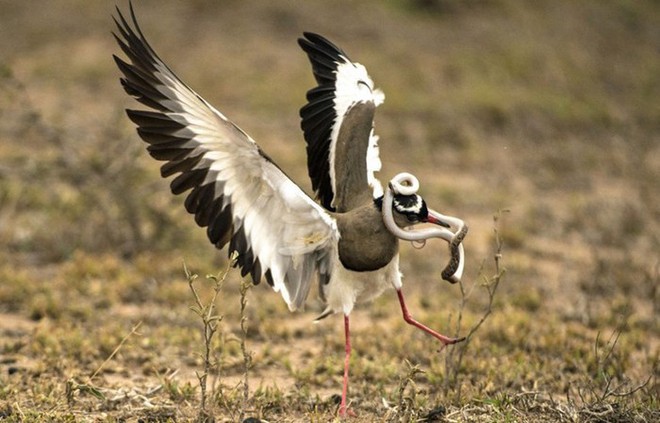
(404, 405)
(72, 386)
(210, 322)
(247, 356)
(618, 390)
(454, 357)
(116, 350)
(597, 396)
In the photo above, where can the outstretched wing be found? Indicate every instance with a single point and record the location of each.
(235, 190)
(342, 150)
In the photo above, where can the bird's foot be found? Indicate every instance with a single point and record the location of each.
(450, 341)
(344, 412)
(411, 321)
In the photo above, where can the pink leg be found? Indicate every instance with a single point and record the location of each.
(408, 318)
(343, 407)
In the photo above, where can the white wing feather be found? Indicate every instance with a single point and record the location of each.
(279, 231)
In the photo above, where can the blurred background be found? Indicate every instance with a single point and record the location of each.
(544, 113)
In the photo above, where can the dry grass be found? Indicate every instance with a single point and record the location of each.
(549, 111)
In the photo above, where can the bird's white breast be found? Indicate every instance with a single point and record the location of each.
(348, 287)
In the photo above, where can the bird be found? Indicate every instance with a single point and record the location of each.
(346, 238)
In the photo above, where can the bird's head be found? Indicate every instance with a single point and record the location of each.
(402, 207)
(411, 209)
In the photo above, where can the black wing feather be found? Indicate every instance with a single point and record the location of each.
(167, 141)
(318, 115)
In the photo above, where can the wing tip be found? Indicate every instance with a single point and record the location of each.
(313, 43)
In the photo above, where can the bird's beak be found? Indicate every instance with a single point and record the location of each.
(448, 222)
(437, 221)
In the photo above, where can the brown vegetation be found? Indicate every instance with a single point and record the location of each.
(546, 109)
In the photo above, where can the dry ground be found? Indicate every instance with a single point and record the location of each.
(548, 110)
